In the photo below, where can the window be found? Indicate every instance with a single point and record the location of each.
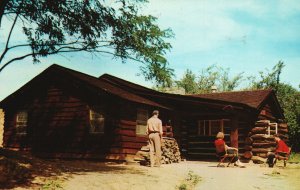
(215, 127)
(97, 121)
(141, 122)
(272, 129)
(21, 123)
(212, 127)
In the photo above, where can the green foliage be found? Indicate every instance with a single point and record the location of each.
(271, 79)
(183, 186)
(294, 157)
(288, 97)
(188, 82)
(189, 182)
(116, 28)
(159, 72)
(52, 185)
(209, 77)
(193, 178)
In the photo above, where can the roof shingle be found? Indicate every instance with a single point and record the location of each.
(253, 98)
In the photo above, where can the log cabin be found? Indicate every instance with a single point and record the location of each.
(68, 114)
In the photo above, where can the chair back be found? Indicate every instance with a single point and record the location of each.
(220, 148)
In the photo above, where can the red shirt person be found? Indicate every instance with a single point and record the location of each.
(220, 146)
(222, 149)
(281, 146)
(281, 150)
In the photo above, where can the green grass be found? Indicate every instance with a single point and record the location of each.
(294, 157)
(189, 182)
(52, 185)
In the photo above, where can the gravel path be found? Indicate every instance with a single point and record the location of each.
(84, 175)
(253, 177)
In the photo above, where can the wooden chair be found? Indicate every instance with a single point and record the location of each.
(230, 155)
(282, 156)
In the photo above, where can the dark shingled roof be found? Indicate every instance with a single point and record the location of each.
(85, 79)
(176, 98)
(252, 98)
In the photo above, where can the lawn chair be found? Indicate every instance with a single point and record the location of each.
(222, 155)
(282, 156)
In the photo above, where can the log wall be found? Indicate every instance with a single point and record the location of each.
(268, 112)
(126, 143)
(56, 123)
(260, 140)
(195, 146)
(58, 126)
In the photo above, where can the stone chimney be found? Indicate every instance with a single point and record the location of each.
(214, 89)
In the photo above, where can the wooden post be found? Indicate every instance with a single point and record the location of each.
(1, 127)
(234, 134)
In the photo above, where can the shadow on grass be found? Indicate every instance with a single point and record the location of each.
(32, 167)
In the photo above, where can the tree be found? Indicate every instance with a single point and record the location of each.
(269, 79)
(163, 75)
(288, 97)
(225, 83)
(95, 26)
(209, 77)
(188, 82)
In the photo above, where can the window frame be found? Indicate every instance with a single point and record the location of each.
(21, 123)
(141, 123)
(269, 128)
(92, 112)
(207, 130)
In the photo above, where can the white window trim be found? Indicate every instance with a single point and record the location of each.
(269, 128)
(18, 120)
(91, 112)
(209, 127)
(141, 125)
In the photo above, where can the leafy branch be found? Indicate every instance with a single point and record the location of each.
(118, 29)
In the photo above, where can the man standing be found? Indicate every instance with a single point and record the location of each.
(155, 131)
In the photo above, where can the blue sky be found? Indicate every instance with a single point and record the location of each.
(244, 36)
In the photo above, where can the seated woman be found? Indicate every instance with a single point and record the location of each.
(222, 149)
